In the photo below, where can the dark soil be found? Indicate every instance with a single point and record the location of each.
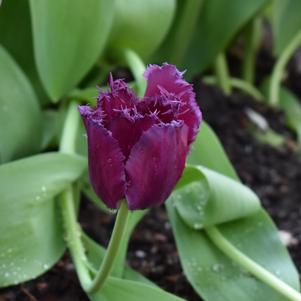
(275, 174)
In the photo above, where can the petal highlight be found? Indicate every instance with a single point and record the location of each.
(155, 164)
(106, 164)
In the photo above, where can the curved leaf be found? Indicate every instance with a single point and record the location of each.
(15, 22)
(212, 274)
(215, 30)
(213, 199)
(286, 23)
(215, 277)
(30, 230)
(139, 26)
(20, 115)
(68, 39)
(200, 149)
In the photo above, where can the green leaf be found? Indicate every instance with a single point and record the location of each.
(215, 277)
(20, 116)
(213, 199)
(127, 290)
(214, 31)
(68, 39)
(174, 46)
(16, 37)
(286, 23)
(205, 148)
(139, 26)
(30, 227)
(212, 274)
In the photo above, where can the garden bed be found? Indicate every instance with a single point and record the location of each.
(273, 173)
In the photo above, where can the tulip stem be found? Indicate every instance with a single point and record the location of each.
(137, 67)
(71, 226)
(237, 83)
(252, 41)
(73, 239)
(279, 69)
(251, 266)
(112, 250)
(222, 73)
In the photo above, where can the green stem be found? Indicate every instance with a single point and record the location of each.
(252, 42)
(279, 69)
(73, 240)
(222, 73)
(137, 67)
(185, 29)
(113, 248)
(238, 84)
(68, 138)
(251, 266)
(72, 228)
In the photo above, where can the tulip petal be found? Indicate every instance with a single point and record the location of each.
(106, 164)
(167, 77)
(155, 164)
(127, 132)
(119, 98)
(167, 81)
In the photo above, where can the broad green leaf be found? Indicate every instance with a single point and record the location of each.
(212, 274)
(215, 277)
(286, 23)
(139, 26)
(215, 30)
(207, 145)
(127, 290)
(174, 46)
(213, 199)
(69, 37)
(30, 227)
(20, 116)
(16, 37)
(292, 110)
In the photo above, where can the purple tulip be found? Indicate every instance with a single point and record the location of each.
(138, 147)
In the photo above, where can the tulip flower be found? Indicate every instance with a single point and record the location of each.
(137, 148)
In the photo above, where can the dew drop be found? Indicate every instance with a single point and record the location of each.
(217, 267)
(197, 226)
(45, 266)
(277, 272)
